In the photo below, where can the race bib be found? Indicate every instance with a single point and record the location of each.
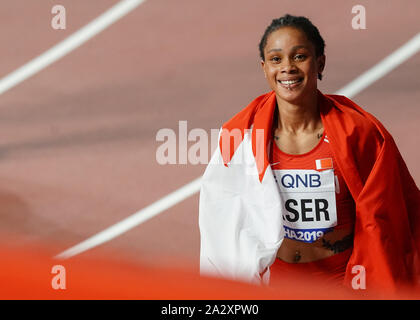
(309, 206)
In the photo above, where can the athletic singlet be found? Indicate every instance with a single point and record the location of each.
(316, 199)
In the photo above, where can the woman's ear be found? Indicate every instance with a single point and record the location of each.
(321, 65)
(262, 66)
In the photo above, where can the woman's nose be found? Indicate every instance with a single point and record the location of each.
(288, 66)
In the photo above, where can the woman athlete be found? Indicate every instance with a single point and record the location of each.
(302, 189)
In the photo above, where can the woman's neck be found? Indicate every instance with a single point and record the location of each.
(295, 119)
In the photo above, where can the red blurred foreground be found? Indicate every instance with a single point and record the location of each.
(28, 274)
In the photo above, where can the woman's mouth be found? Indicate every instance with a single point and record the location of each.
(291, 83)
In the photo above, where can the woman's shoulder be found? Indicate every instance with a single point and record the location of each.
(244, 117)
(357, 117)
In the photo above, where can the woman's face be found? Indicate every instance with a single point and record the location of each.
(291, 66)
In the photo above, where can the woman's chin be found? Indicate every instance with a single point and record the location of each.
(293, 96)
(289, 95)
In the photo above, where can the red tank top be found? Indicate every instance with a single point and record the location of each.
(316, 199)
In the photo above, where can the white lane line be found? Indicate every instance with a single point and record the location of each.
(382, 68)
(69, 44)
(350, 90)
(135, 219)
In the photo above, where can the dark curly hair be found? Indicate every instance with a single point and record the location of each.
(301, 23)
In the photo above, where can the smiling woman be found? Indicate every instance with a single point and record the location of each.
(292, 62)
(309, 195)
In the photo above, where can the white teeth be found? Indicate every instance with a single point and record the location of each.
(289, 82)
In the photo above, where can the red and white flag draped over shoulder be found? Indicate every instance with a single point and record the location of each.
(240, 207)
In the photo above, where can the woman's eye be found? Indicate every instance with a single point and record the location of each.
(275, 59)
(300, 57)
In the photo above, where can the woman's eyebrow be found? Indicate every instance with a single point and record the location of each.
(299, 47)
(273, 50)
(293, 49)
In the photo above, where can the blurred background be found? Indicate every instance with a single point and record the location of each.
(78, 138)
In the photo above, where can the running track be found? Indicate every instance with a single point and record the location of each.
(77, 146)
